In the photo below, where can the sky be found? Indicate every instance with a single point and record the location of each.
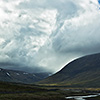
(45, 35)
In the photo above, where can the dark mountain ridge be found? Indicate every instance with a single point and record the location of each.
(21, 76)
(82, 72)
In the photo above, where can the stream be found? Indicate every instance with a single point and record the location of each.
(82, 97)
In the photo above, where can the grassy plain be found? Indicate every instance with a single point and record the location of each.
(14, 91)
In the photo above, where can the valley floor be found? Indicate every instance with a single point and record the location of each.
(14, 91)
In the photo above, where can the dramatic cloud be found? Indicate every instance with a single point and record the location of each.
(47, 34)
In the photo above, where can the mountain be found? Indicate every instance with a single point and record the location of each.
(21, 76)
(82, 72)
(43, 75)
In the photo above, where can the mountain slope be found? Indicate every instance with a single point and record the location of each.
(20, 76)
(82, 72)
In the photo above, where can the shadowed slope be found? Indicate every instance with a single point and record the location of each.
(83, 72)
(20, 76)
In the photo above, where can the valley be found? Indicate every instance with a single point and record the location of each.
(16, 91)
(49, 49)
(78, 80)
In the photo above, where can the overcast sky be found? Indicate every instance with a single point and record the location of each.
(44, 35)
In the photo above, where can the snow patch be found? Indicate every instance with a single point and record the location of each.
(8, 74)
(25, 73)
(34, 75)
(17, 74)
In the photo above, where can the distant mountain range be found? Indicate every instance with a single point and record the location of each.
(82, 72)
(21, 76)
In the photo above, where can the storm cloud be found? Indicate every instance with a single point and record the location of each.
(45, 35)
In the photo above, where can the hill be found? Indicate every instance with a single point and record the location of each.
(21, 76)
(82, 72)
